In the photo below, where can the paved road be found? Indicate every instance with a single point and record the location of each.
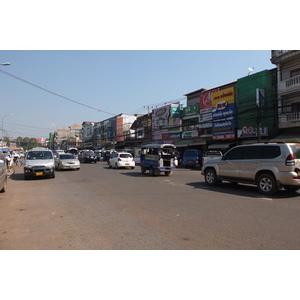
(102, 208)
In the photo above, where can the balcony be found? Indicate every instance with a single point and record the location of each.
(279, 56)
(290, 85)
(288, 120)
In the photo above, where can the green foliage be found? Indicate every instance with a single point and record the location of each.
(26, 143)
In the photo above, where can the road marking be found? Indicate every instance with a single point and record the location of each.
(268, 199)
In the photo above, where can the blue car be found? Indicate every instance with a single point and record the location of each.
(192, 158)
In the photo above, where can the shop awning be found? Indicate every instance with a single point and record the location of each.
(193, 142)
(183, 143)
(197, 142)
(291, 135)
(287, 138)
(219, 146)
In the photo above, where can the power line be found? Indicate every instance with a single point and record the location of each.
(53, 93)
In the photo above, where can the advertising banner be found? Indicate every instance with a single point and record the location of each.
(205, 108)
(120, 135)
(223, 115)
(166, 122)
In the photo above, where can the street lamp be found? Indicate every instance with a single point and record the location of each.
(4, 64)
(3, 127)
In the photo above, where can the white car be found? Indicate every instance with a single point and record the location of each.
(121, 160)
(67, 161)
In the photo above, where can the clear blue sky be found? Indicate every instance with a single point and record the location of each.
(112, 81)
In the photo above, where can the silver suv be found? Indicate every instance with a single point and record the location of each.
(39, 162)
(268, 166)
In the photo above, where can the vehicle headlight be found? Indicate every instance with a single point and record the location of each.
(27, 166)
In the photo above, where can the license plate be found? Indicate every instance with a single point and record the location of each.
(190, 161)
(39, 174)
(126, 164)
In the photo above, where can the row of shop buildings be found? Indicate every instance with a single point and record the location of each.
(260, 107)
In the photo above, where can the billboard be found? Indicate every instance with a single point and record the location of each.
(166, 122)
(223, 115)
(205, 108)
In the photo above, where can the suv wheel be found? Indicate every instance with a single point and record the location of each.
(210, 177)
(266, 184)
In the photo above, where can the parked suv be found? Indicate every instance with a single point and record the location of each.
(268, 166)
(39, 162)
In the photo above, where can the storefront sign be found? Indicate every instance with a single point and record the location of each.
(223, 115)
(205, 108)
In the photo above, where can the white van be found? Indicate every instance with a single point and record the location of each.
(39, 162)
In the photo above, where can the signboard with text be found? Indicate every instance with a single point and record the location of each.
(223, 115)
(205, 108)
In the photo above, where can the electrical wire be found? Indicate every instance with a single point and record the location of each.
(53, 93)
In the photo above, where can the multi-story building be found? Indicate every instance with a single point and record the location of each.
(87, 135)
(142, 127)
(209, 120)
(166, 123)
(257, 107)
(67, 138)
(190, 120)
(288, 76)
(107, 133)
(60, 135)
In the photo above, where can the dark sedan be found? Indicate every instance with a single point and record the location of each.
(87, 157)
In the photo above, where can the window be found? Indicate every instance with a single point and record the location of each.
(295, 72)
(235, 153)
(295, 107)
(253, 152)
(127, 155)
(271, 151)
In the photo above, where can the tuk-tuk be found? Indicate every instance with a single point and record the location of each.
(158, 158)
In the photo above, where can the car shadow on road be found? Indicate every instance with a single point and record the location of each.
(243, 190)
(20, 177)
(17, 176)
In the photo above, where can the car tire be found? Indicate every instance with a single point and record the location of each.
(266, 184)
(151, 171)
(210, 177)
(143, 170)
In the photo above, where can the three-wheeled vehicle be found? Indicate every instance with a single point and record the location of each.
(158, 158)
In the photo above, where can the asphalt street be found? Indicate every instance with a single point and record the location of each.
(99, 208)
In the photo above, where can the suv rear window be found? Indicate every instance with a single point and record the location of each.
(271, 151)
